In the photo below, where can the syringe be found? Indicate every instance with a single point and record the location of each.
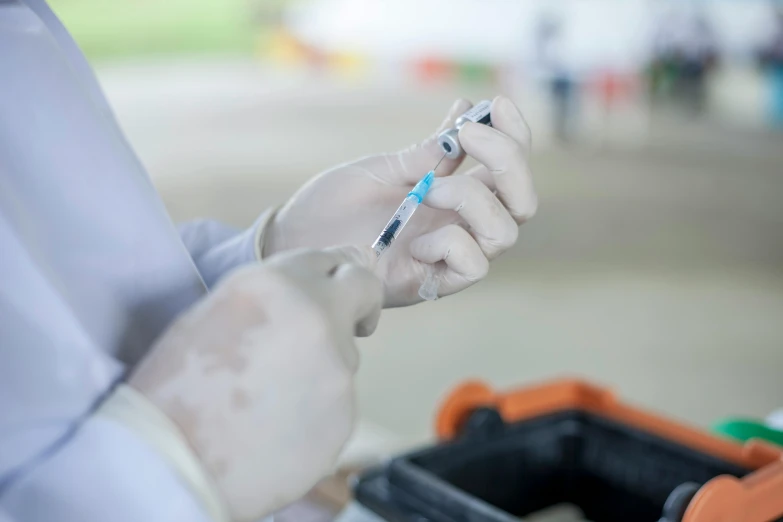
(403, 214)
(449, 143)
(429, 288)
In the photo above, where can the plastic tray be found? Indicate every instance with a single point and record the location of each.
(505, 457)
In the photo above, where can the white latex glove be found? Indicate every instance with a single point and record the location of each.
(259, 375)
(351, 203)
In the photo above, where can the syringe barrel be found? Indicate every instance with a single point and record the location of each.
(396, 224)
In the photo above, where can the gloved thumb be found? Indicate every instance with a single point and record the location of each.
(364, 256)
(411, 164)
(359, 298)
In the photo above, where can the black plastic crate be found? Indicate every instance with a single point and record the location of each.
(500, 473)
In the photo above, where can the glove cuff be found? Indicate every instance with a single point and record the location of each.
(261, 226)
(130, 408)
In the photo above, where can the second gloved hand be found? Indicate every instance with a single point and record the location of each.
(259, 374)
(465, 220)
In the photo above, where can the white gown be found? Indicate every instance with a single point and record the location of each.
(92, 270)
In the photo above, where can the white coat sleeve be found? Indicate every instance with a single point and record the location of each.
(217, 248)
(102, 472)
(58, 459)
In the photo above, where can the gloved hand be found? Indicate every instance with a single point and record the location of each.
(351, 203)
(259, 375)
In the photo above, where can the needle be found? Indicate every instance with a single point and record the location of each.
(441, 159)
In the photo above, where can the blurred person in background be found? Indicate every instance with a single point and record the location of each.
(771, 58)
(156, 373)
(698, 58)
(550, 49)
(685, 52)
(663, 71)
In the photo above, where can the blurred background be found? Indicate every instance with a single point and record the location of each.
(655, 265)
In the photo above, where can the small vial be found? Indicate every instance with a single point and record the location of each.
(449, 139)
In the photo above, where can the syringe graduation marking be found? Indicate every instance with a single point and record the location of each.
(403, 214)
(387, 236)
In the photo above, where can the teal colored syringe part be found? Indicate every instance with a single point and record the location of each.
(423, 186)
(403, 214)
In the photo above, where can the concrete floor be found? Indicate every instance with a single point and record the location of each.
(656, 270)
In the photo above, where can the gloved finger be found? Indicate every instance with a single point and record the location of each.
(357, 299)
(324, 262)
(305, 261)
(410, 165)
(361, 255)
(506, 160)
(454, 245)
(492, 226)
(481, 173)
(507, 119)
(359, 296)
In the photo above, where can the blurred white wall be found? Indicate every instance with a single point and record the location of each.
(598, 33)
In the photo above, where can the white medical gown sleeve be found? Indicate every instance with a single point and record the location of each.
(91, 270)
(217, 248)
(132, 409)
(71, 53)
(58, 460)
(103, 472)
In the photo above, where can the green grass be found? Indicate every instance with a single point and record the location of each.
(122, 28)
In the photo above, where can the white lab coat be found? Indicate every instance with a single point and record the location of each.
(92, 270)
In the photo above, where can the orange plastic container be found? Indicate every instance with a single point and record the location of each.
(504, 455)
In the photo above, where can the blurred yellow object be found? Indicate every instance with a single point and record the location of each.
(284, 48)
(348, 64)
